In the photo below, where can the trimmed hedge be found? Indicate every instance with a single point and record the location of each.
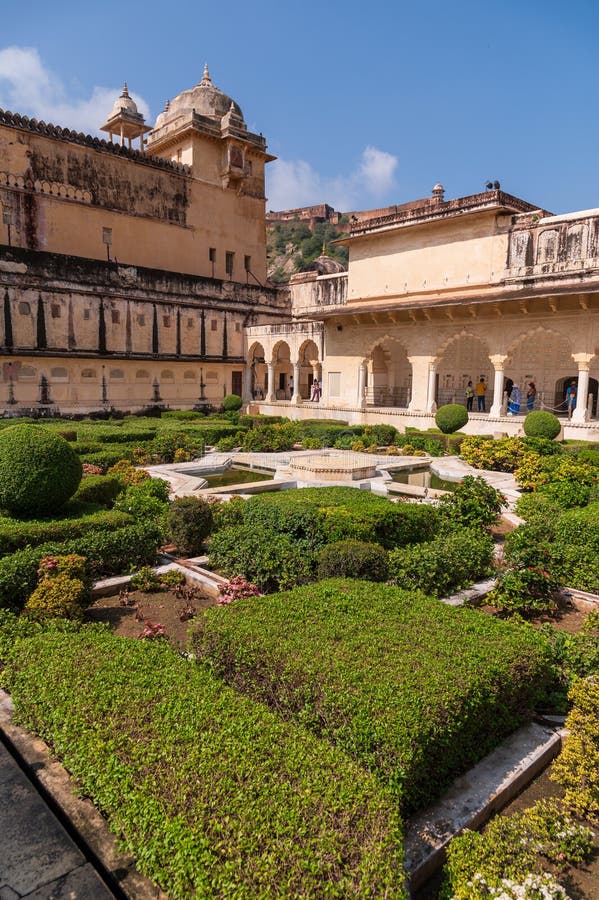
(102, 489)
(39, 471)
(189, 522)
(577, 767)
(542, 424)
(375, 670)
(79, 520)
(107, 553)
(212, 794)
(451, 417)
(269, 560)
(319, 516)
(447, 564)
(353, 559)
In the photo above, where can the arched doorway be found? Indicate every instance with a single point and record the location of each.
(283, 370)
(544, 357)
(561, 389)
(463, 358)
(309, 368)
(258, 371)
(388, 375)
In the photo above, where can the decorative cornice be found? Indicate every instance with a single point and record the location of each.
(55, 132)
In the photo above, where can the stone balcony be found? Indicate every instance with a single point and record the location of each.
(554, 248)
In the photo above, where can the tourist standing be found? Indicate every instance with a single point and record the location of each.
(469, 395)
(514, 404)
(315, 391)
(571, 399)
(531, 394)
(481, 390)
(509, 386)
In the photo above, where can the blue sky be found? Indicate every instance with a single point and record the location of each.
(365, 104)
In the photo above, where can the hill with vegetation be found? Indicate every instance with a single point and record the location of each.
(293, 245)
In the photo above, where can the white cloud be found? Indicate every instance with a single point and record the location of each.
(293, 183)
(29, 88)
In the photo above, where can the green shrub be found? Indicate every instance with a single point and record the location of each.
(189, 522)
(77, 520)
(230, 443)
(127, 473)
(107, 552)
(232, 402)
(383, 434)
(172, 578)
(146, 580)
(445, 565)
(270, 438)
(226, 513)
(527, 590)
(474, 502)
(122, 435)
(101, 489)
(57, 597)
(375, 670)
(319, 516)
(503, 455)
(182, 415)
(577, 767)
(542, 424)
(270, 561)
(213, 795)
(39, 471)
(67, 434)
(573, 656)
(353, 559)
(105, 459)
(451, 417)
(147, 500)
(509, 858)
(311, 443)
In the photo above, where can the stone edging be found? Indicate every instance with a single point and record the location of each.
(92, 829)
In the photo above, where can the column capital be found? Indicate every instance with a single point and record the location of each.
(498, 361)
(583, 360)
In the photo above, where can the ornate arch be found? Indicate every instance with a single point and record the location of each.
(538, 331)
(381, 340)
(464, 333)
(274, 355)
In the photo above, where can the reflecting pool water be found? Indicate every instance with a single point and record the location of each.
(423, 478)
(236, 476)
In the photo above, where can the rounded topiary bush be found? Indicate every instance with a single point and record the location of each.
(60, 597)
(451, 417)
(353, 559)
(542, 424)
(39, 470)
(189, 523)
(232, 402)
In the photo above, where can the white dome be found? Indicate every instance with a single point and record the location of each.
(204, 98)
(124, 102)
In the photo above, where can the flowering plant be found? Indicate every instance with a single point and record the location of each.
(238, 588)
(89, 469)
(153, 631)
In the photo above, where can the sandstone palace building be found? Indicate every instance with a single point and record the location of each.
(134, 277)
(127, 276)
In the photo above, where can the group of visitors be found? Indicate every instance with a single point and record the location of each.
(514, 396)
(480, 390)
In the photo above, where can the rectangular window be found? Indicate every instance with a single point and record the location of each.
(213, 324)
(237, 327)
(190, 323)
(229, 260)
(334, 384)
(116, 316)
(141, 319)
(107, 236)
(212, 254)
(247, 262)
(249, 167)
(24, 308)
(86, 314)
(179, 155)
(166, 321)
(55, 310)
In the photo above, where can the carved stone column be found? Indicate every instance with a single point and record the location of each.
(499, 366)
(581, 413)
(270, 384)
(296, 396)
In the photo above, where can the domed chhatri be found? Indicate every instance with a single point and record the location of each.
(324, 265)
(204, 99)
(124, 102)
(125, 120)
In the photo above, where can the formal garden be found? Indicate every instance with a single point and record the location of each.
(272, 737)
